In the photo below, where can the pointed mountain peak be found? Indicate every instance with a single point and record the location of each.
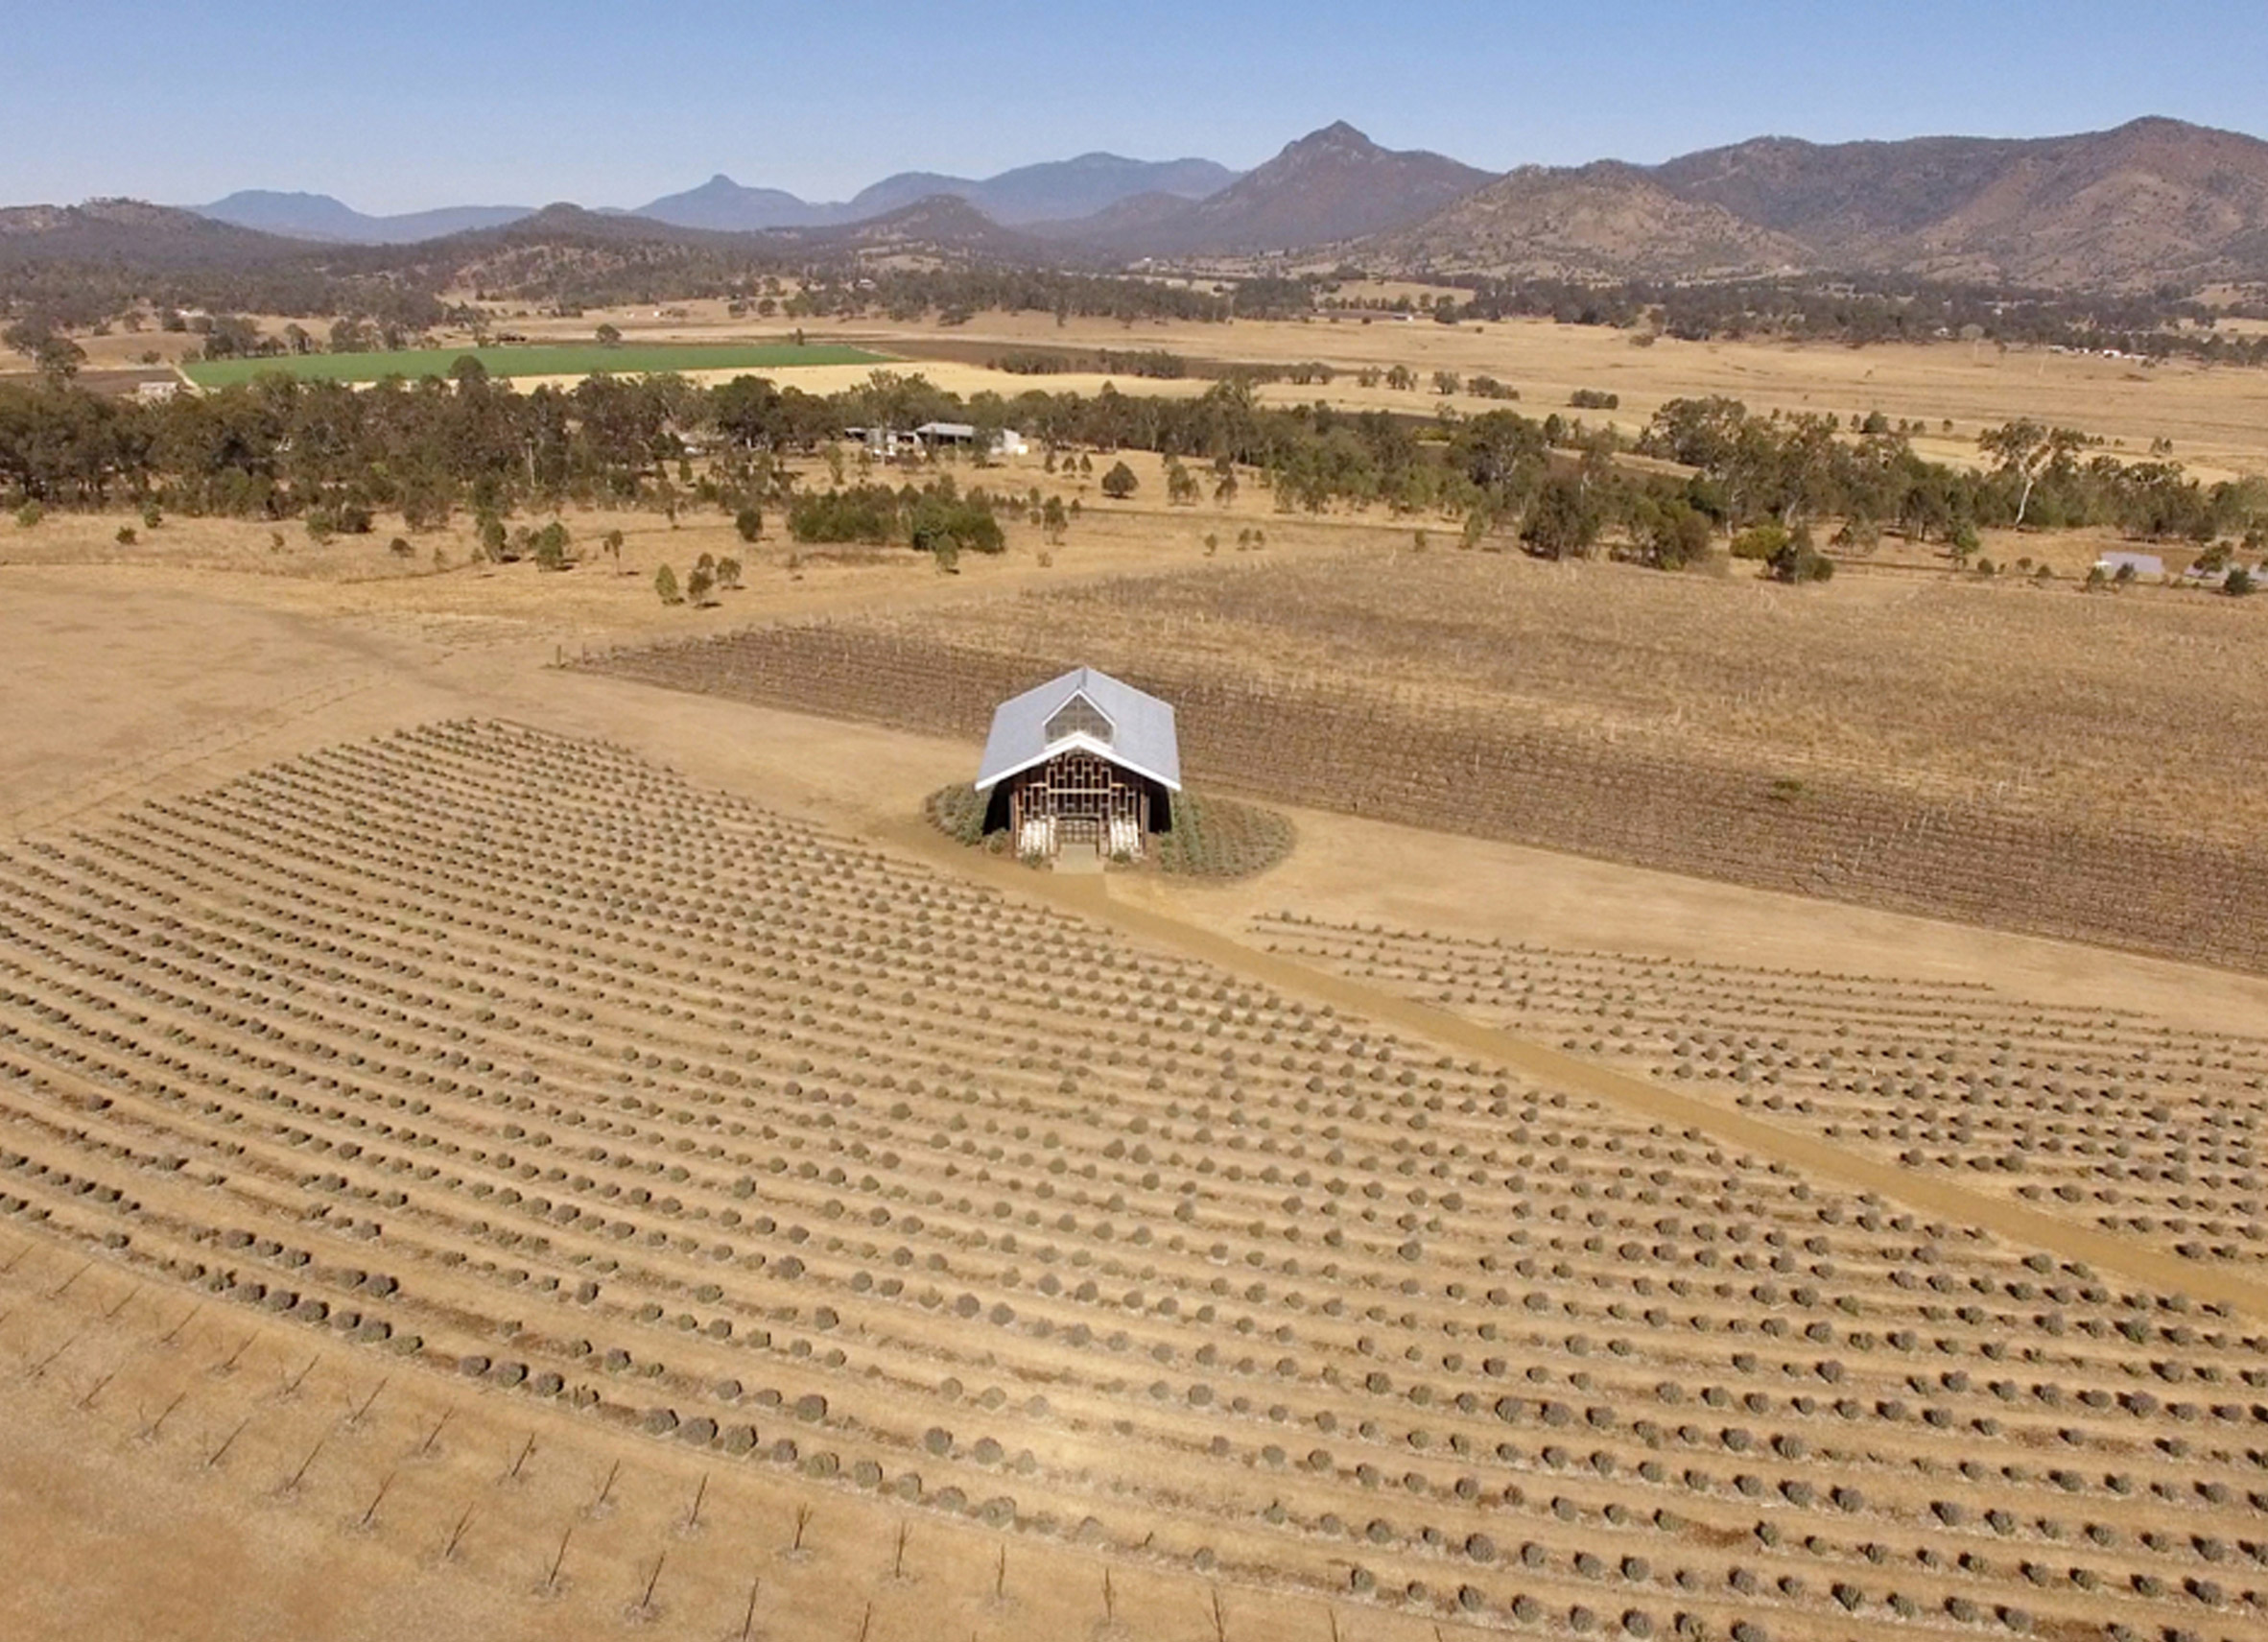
(1338, 134)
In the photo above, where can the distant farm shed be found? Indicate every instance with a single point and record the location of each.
(2135, 564)
(1083, 761)
(1004, 442)
(890, 444)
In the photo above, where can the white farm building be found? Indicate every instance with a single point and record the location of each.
(1081, 762)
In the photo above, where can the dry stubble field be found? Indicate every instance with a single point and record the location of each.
(2024, 759)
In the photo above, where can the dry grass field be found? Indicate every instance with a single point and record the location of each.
(2028, 759)
(491, 1147)
(2217, 419)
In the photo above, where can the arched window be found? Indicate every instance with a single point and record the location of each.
(1079, 716)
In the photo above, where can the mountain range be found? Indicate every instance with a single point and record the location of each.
(1052, 191)
(319, 217)
(2151, 202)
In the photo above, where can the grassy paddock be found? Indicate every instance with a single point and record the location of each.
(581, 358)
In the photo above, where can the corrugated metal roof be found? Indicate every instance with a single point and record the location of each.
(1141, 735)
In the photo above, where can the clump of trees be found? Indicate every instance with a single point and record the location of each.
(549, 547)
(52, 354)
(1796, 560)
(1791, 470)
(1154, 362)
(863, 514)
(934, 519)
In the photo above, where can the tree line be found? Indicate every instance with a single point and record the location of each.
(1860, 310)
(279, 447)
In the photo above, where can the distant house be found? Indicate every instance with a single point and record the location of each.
(1081, 762)
(939, 434)
(2136, 566)
(890, 444)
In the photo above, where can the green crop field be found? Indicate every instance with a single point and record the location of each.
(574, 359)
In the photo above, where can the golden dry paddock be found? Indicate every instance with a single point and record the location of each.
(489, 1145)
(2017, 757)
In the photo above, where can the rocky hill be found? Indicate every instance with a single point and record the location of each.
(1332, 184)
(2151, 202)
(725, 206)
(130, 232)
(1604, 221)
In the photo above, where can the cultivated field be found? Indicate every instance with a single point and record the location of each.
(2099, 1114)
(583, 359)
(492, 1147)
(2026, 759)
(497, 1053)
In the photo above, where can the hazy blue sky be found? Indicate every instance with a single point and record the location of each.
(398, 104)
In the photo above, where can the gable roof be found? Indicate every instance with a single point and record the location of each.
(1142, 737)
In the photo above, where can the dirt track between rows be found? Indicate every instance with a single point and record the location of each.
(1090, 897)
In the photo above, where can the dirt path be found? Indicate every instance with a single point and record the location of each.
(1090, 897)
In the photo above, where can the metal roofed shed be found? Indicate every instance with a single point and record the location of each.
(1084, 760)
(2135, 564)
(1002, 441)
